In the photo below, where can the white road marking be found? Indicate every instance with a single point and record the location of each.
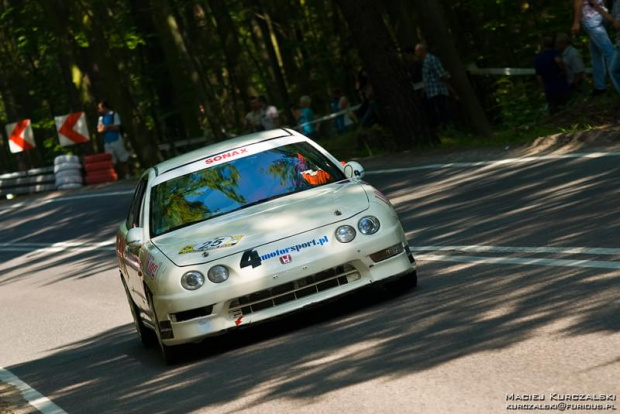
(520, 261)
(508, 249)
(57, 247)
(67, 198)
(497, 163)
(32, 396)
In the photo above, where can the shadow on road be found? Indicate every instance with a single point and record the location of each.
(553, 203)
(365, 336)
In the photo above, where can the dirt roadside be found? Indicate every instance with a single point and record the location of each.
(604, 139)
(12, 402)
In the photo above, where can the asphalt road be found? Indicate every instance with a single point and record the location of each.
(519, 267)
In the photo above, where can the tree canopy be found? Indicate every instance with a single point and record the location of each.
(175, 69)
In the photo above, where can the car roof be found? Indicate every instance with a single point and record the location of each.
(219, 147)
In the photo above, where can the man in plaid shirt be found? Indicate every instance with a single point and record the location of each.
(436, 86)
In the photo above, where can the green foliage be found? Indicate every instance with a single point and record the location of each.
(120, 53)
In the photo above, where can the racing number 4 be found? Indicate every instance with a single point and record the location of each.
(250, 258)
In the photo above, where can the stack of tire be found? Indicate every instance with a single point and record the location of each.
(68, 172)
(99, 169)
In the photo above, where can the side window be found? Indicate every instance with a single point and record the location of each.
(133, 217)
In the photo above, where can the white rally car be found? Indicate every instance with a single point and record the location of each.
(249, 229)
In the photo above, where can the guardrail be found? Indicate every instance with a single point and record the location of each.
(27, 182)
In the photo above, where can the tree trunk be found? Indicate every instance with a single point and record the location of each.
(237, 67)
(401, 110)
(440, 41)
(261, 19)
(198, 76)
(169, 123)
(112, 81)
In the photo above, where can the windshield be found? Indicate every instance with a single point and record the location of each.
(240, 183)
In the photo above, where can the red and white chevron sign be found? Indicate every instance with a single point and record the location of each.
(20, 136)
(72, 129)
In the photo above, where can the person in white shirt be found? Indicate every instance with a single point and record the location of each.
(270, 118)
(575, 68)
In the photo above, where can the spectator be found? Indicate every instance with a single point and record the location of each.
(370, 116)
(306, 117)
(601, 49)
(270, 118)
(414, 66)
(295, 110)
(109, 124)
(551, 75)
(436, 87)
(614, 19)
(348, 118)
(575, 69)
(254, 117)
(334, 103)
(362, 80)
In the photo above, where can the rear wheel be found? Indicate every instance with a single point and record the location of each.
(147, 336)
(169, 353)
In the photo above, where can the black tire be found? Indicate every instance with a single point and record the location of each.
(146, 336)
(170, 354)
(62, 159)
(404, 283)
(67, 166)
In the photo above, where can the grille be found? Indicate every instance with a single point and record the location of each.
(191, 314)
(294, 290)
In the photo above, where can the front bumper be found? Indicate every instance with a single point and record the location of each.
(276, 288)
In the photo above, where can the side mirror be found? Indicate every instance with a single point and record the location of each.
(134, 238)
(354, 169)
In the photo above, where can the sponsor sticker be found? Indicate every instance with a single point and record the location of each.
(215, 243)
(226, 155)
(253, 258)
(151, 267)
(295, 248)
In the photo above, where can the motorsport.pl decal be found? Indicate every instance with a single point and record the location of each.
(296, 248)
(215, 243)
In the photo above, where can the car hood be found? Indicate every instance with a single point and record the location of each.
(263, 223)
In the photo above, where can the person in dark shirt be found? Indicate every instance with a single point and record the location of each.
(551, 75)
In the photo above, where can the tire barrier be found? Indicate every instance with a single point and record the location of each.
(68, 172)
(98, 166)
(62, 159)
(27, 182)
(99, 169)
(89, 159)
(102, 176)
(67, 166)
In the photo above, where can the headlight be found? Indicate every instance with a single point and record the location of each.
(344, 234)
(218, 274)
(368, 225)
(192, 280)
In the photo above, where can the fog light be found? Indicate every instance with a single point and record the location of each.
(218, 274)
(344, 234)
(192, 280)
(387, 253)
(368, 225)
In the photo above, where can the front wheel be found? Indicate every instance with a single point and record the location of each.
(147, 336)
(170, 354)
(406, 282)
